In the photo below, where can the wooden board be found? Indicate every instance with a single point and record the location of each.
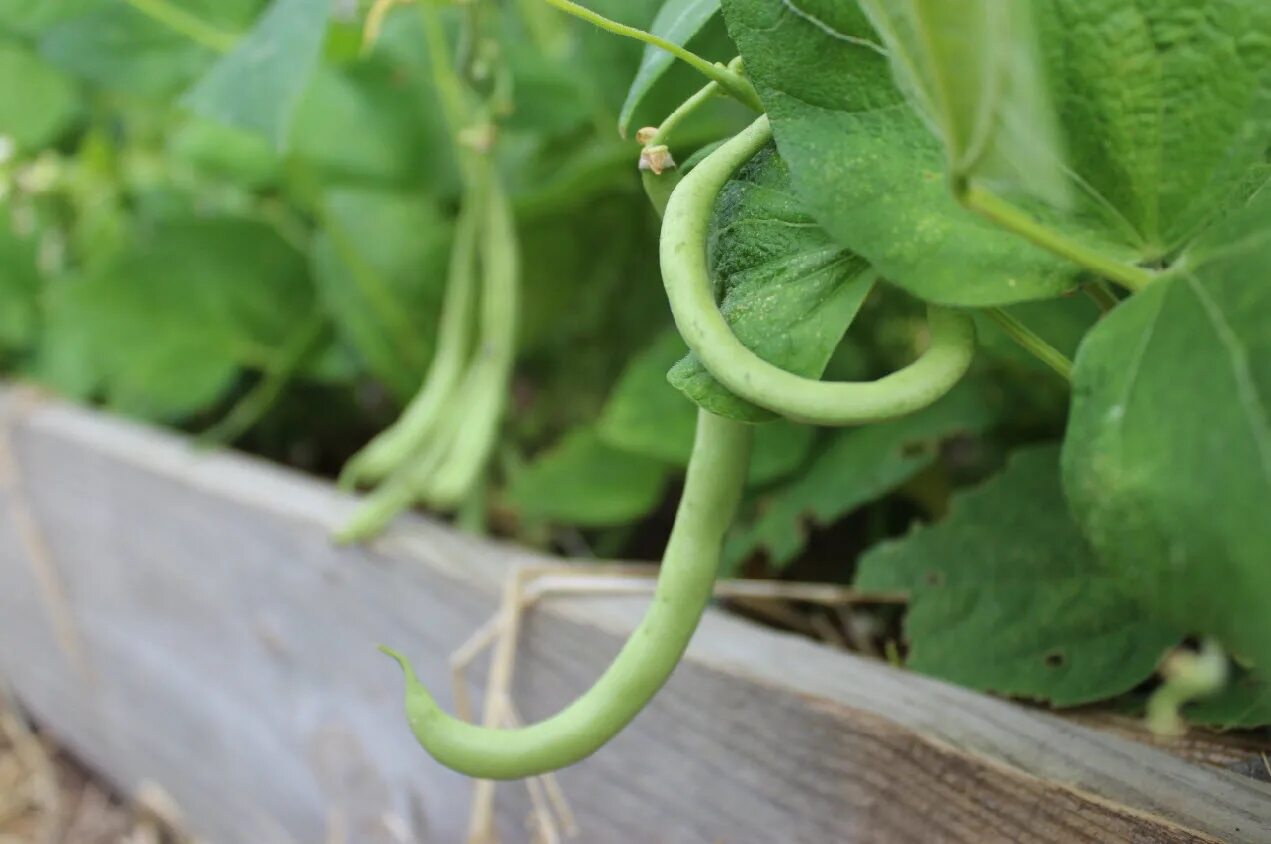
(226, 652)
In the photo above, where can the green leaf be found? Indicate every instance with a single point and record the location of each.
(163, 327)
(391, 136)
(581, 481)
(1167, 461)
(31, 17)
(856, 467)
(222, 152)
(111, 45)
(647, 416)
(259, 84)
(678, 21)
(866, 166)
(1243, 705)
(788, 291)
(972, 69)
(380, 268)
(1166, 106)
(37, 103)
(1006, 596)
(19, 287)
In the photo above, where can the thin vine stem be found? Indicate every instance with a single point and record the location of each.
(264, 394)
(1031, 342)
(1101, 294)
(191, 26)
(1008, 216)
(734, 83)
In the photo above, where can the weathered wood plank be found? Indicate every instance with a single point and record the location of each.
(228, 651)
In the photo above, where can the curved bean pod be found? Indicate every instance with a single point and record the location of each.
(716, 475)
(685, 273)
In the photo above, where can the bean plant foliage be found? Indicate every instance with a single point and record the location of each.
(968, 301)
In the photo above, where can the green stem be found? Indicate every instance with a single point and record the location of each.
(994, 208)
(188, 25)
(256, 403)
(455, 108)
(734, 83)
(712, 489)
(658, 187)
(686, 275)
(1031, 342)
(1099, 291)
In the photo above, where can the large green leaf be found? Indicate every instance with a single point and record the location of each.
(1167, 461)
(394, 140)
(678, 21)
(163, 328)
(865, 164)
(380, 268)
(647, 416)
(112, 45)
(1166, 106)
(858, 466)
(37, 102)
(582, 481)
(1007, 596)
(972, 69)
(258, 85)
(787, 290)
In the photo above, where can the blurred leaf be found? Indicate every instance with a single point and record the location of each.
(222, 152)
(111, 45)
(788, 291)
(37, 102)
(678, 21)
(259, 84)
(164, 327)
(1243, 705)
(1006, 595)
(645, 415)
(380, 268)
(1167, 460)
(31, 17)
(356, 124)
(856, 467)
(582, 481)
(19, 287)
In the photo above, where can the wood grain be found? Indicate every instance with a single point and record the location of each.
(228, 656)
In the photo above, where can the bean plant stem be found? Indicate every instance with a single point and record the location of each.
(261, 397)
(1031, 342)
(1008, 216)
(712, 489)
(1102, 295)
(735, 84)
(181, 21)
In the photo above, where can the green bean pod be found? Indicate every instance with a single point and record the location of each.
(712, 489)
(685, 272)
